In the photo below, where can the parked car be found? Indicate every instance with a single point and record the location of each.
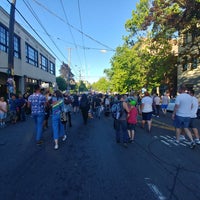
(170, 107)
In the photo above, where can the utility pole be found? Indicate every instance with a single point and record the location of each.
(10, 81)
(11, 39)
(68, 78)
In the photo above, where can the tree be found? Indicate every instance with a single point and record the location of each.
(82, 87)
(156, 22)
(102, 85)
(62, 85)
(166, 19)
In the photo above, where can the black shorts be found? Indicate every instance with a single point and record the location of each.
(147, 116)
(193, 123)
(131, 127)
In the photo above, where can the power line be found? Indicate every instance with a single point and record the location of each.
(40, 23)
(70, 30)
(35, 31)
(91, 38)
(79, 11)
(36, 17)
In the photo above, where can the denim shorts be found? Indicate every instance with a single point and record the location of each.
(147, 116)
(181, 122)
(194, 123)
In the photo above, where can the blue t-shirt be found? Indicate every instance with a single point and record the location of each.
(37, 103)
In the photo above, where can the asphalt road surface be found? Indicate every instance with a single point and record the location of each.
(90, 165)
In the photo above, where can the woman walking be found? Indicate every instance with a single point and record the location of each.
(84, 106)
(57, 125)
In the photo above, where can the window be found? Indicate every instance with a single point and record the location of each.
(3, 38)
(194, 63)
(185, 64)
(52, 68)
(31, 55)
(4, 42)
(44, 63)
(17, 49)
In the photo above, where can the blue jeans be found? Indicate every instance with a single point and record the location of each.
(38, 118)
(121, 125)
(58, 127)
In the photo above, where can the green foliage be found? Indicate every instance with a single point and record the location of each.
(61, 83)
(146, 58)
(82, 87)
(102, 85)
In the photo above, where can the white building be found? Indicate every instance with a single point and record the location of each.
(32, 62)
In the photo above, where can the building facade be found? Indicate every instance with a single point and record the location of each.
(189, 60)
(33, 64)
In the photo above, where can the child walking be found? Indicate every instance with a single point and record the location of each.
(132, 120)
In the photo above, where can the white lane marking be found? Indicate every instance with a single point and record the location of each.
(165, 142)
(155, 189)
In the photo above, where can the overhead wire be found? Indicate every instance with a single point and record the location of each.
(40, 23)
(38, 20)
(66, 18)
(78, 30)
(35, 32)
(81, 24)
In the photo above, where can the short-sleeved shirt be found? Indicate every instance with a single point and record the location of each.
(195, 105)
(37, 103)
(184, 102)
(147, 101)
(58, 105)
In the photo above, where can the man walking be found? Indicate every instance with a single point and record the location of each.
(194, 121)
(121, 123)
(37, 102)
(182, 113)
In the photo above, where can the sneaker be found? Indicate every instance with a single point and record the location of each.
(64, 138)
(182, 138)
(192, 145)
(197, 141)
(56, 146)
(177, 141)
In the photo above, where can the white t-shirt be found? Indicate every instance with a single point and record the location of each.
(184, 102)
(147, 101)
(195, 105)
(157, 100)
(165, 100)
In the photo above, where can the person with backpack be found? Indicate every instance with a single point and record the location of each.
(132, 119)
(120, 111)
(57, 125)
(84, 107)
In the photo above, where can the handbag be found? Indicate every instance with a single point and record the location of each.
(63, 117)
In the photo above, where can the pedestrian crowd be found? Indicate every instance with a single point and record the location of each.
(125, 110)
(185, 119)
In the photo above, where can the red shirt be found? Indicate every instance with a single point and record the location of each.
(132, 116)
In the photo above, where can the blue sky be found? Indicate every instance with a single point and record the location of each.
(102, 23)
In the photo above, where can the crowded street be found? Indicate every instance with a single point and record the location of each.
(91, 165)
